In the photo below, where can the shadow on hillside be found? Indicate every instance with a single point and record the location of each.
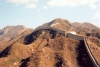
(24, 62)
(5, 52)
(83, 57)
(33, 36)
(59, 61)
(30, 38)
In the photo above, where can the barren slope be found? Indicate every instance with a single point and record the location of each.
(45, 48)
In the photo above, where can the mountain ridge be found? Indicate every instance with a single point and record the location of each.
(84, 28)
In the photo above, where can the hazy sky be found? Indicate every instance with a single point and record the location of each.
(32, 13)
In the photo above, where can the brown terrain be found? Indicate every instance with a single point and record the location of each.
(48, 48)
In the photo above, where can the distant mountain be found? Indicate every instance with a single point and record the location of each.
(9, 32)
(84, 25)
(86, 29)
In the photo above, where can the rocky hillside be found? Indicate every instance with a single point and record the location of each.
(45, 48)
(41, 49)
(9, 32)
